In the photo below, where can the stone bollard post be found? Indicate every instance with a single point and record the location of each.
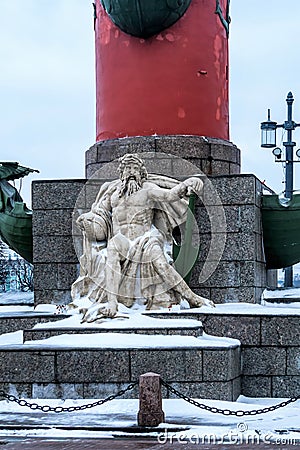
(150, 413)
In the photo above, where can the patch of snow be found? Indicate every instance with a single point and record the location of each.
(276, 427)
(11, 338)
(282, 293)
(16, 297)
(133, 321)
(124, 341)
(15, 309)
(239, 309)
(46, 307)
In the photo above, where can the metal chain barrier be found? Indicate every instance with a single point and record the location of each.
(212, 409)
(228, 412)
(59, 409)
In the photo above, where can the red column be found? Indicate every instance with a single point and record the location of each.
(173, 83)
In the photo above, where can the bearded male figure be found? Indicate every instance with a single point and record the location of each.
(126, 237)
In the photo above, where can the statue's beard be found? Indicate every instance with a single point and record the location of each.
(130, 185)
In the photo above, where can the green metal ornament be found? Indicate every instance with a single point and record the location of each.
(15, 217)
(185, 255)
(145, 18)
(281, 231)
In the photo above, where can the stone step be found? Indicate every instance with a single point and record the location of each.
(45, 333)
(151, 326)
(13, 321)
(98, 365)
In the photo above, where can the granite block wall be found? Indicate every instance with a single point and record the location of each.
(55, 261)
(97, 373)
(270, 348)
(213, 156)
(240, 275)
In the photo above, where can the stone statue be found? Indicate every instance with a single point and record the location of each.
(127, 237)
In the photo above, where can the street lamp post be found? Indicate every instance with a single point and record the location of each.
(268, 140)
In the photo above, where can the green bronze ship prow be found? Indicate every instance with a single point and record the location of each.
(281, 231)
(15, 217)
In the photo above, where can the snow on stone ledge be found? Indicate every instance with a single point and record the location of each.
(117, 341)
(133, 321)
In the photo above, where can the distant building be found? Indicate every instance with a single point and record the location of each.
(15, 272)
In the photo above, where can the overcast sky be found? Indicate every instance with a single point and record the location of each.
(47, 108)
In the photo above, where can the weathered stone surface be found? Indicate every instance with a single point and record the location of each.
(20, 390)
(46, 276)
(245, 329)
(57, 194)
(293, 360)
(103, 390)
(235, 190)
(150, 412)
(236, 388)
(52, 296)
(10, 322)
(264, 361)
(257, 386)
(233, 295)
(219, 150)
(54, 249)
(240, 218)
(45, 333)
(280, 330)
(67, 274)
(75, 366)
(186, 169)
(191, 146)
(57, 390)
(227, 274)
(92, 189)
(213, 156)
(19, 366)
(221, 364)
(91, 155)
(165, 362)
(286, 386)
(222, 390)
(240, 247)
(252, 273)
(234, 169)
(52, 222)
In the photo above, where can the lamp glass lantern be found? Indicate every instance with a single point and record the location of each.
(268, 134)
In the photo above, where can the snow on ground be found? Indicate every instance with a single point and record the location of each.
(16, 298)
(289, 293)
(280, 426)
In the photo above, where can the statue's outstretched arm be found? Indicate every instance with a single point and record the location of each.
(189, 185)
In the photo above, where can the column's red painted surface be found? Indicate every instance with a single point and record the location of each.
(173, 83)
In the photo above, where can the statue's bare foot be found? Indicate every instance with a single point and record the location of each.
(197, 301)
(110, 310)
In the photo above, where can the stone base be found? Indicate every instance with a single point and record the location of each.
(270, 345)
(213, 156)
(49, 371)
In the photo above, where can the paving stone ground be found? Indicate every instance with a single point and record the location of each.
(123, 444)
